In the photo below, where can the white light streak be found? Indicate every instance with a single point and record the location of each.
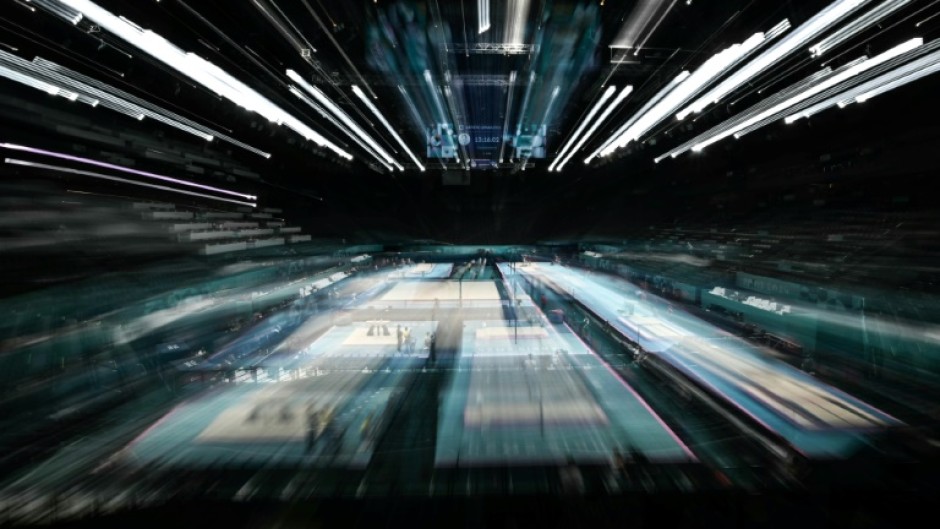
(61, 169)
(378, 114)
(577, 132)
(643, 21)
(199, 70)
(829, 82)
(517, 13)
(106, 165)
(815, 26)
(600, 119)
(869, 19)
(643, 110)
(353, 127)
(483, 15)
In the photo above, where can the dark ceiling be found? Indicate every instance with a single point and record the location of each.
(496, 190)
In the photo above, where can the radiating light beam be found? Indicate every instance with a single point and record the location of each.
(378, 114)
(79, 159)
(828, 82)
(597, 123)
(199, 70)
(332, 119)
(867, 20)
(338, 112)
(483, 15)
(584, 123)
(815, 26)
(25, 163)
(663, 92)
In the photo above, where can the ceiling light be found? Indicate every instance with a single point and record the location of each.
(378, 114)
(93, 92)
(61, 169)
(574, 137)
(483, 15)
(332, 119)
(685, 90)
(643, 110)
(338, 112)
(680, 92)
(803, 95)
(884, 81)
(643, 21)
(199, 70)
(517, 12)
(115, 167)
(600, 119)
(726, 59)
(869, 19)
(818, 24)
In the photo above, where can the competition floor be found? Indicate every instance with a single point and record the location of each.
(517, 390)
(410, 293)
(399, 383)
(322, 395)
(442, 291)
(324, 406)
(537, 394)
(423, 271)
(817, 419)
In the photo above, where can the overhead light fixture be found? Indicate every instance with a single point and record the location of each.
(41, 74)
(597, 123)
(517, 13)
(378, 114)
(199, 70)
(796, 88)
(693, 83)
(56, 8)
(37, 83)
(643, 110)
(761, 105)
(646, 121)
(509, 92)
(89, 161)
(869, 19)
(829, 82)
(338, 112)
(723, 88)
(483, 15)
(885, 81)
(841, 91)
(683, 88)
(327, 115)
(584, 123)
(61, 169)
(645, 17)
(121, 101)
(900, 81)
(815, 26)
(728, 58)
